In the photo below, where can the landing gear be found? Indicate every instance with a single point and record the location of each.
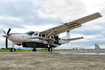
(34, 50)
(13, 49)
(49, 48)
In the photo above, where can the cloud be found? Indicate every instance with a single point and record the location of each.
(64, 9)
(16, 13)
(39, 15)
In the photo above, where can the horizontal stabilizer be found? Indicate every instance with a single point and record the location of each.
(74, 39)
(55, 44)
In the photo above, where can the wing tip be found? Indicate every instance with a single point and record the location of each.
(99, 14)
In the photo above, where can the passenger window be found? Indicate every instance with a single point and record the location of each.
(52, 37)
(43, 35)
(39, 35)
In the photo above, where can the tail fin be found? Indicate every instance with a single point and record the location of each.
(97, 47)
(68, 34)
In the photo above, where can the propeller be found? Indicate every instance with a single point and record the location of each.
(6, 36)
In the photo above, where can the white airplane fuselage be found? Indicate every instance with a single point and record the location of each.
(19, 38)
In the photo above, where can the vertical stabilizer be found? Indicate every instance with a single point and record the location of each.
(97, 47)
(68, 34)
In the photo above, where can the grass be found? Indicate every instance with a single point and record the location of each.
(19, 50)
(7, 50)
(2, 50)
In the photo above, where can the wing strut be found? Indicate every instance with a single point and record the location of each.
(49, 34)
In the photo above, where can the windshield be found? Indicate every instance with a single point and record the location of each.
(36, 34)
(30, 32)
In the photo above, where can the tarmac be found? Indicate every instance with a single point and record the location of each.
(51, 61)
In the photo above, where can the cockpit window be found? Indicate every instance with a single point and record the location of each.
(36, 34)
(30, 32)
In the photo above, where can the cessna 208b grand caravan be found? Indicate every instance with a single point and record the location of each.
(48, 38)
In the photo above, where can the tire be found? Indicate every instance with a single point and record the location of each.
(12, 49)
(34, 50)
(49, 49)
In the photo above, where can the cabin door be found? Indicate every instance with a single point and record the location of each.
(56, 39)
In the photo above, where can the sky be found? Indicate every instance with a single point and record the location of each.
(39, 15)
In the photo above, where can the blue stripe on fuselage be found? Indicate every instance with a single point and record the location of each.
(38, 38)
(34, 38)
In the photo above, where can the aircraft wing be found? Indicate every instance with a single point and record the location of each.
(70, 25)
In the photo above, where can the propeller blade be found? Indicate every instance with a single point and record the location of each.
(4, 32)
(8, 31)
(6, 43)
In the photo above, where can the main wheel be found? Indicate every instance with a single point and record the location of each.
(12, 49)
(49, 49)
(34, 50)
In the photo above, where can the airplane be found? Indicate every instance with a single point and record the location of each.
(48, 38)
(97, 47)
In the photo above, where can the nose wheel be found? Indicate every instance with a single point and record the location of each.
(13, 49)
